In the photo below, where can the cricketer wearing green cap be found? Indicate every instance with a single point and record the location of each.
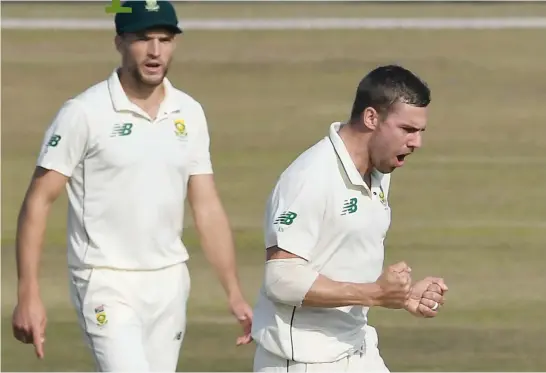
(147, 15)
(129, 150)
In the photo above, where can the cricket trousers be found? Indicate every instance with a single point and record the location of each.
(132, 320)
(369, 360)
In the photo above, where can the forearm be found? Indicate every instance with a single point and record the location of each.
(31, 226)
(294, 282)
(217, 244)
(327, 293)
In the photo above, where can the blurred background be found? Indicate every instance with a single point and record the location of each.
(469, 206)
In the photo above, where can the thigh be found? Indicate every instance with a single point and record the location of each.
(78, 287)
(112, 329)
(167, 326)
(121, 349)
(371, 360)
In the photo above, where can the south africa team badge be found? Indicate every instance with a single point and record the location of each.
(100, 315)
(180, 129)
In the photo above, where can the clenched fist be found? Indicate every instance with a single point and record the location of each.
(426, 297)
(395, 285)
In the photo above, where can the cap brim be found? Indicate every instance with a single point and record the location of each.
(152, 25)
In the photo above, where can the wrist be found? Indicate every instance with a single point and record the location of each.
(234, 292)
(28, 288)
(371, 295)
(412, 307)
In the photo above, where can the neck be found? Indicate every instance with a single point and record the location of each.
(146, 97)
(356, 143)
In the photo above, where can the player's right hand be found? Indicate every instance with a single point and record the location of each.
(395, 285)
(29, 323)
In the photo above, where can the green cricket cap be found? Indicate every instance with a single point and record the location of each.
(146, 15)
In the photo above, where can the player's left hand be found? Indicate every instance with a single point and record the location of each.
(243, 313)
(424, 295)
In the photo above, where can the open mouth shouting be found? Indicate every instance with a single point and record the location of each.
(152, 67)
(400, 159)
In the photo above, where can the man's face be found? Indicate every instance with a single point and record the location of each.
(147, 55)
(396, 136)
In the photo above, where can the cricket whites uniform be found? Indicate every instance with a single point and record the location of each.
(322, 210)
(128, 182)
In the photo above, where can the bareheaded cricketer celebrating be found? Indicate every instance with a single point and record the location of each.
(325, 224)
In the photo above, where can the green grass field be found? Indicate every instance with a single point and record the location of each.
(468, 206)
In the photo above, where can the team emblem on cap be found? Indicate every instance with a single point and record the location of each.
(151, 6)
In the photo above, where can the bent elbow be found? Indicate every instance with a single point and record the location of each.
(287, 281)
(279, 292)
(275, 294)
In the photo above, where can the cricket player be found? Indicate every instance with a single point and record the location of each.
(129, 150)
(325, 226)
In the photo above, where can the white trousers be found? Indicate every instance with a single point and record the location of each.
(132, 320)
(368, 361)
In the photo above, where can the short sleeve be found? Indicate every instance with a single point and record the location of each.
(65, 141)
(200, 161)
(294, 215)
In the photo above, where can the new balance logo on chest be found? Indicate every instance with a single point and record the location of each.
(350, 206)
(123, 129)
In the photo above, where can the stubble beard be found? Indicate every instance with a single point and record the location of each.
(142, 81)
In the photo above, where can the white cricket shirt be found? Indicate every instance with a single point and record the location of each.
(128, 175)
(322, 210)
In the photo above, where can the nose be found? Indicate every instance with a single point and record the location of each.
(415, 140)
(153, 48)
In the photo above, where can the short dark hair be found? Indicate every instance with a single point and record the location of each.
(386, 85)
